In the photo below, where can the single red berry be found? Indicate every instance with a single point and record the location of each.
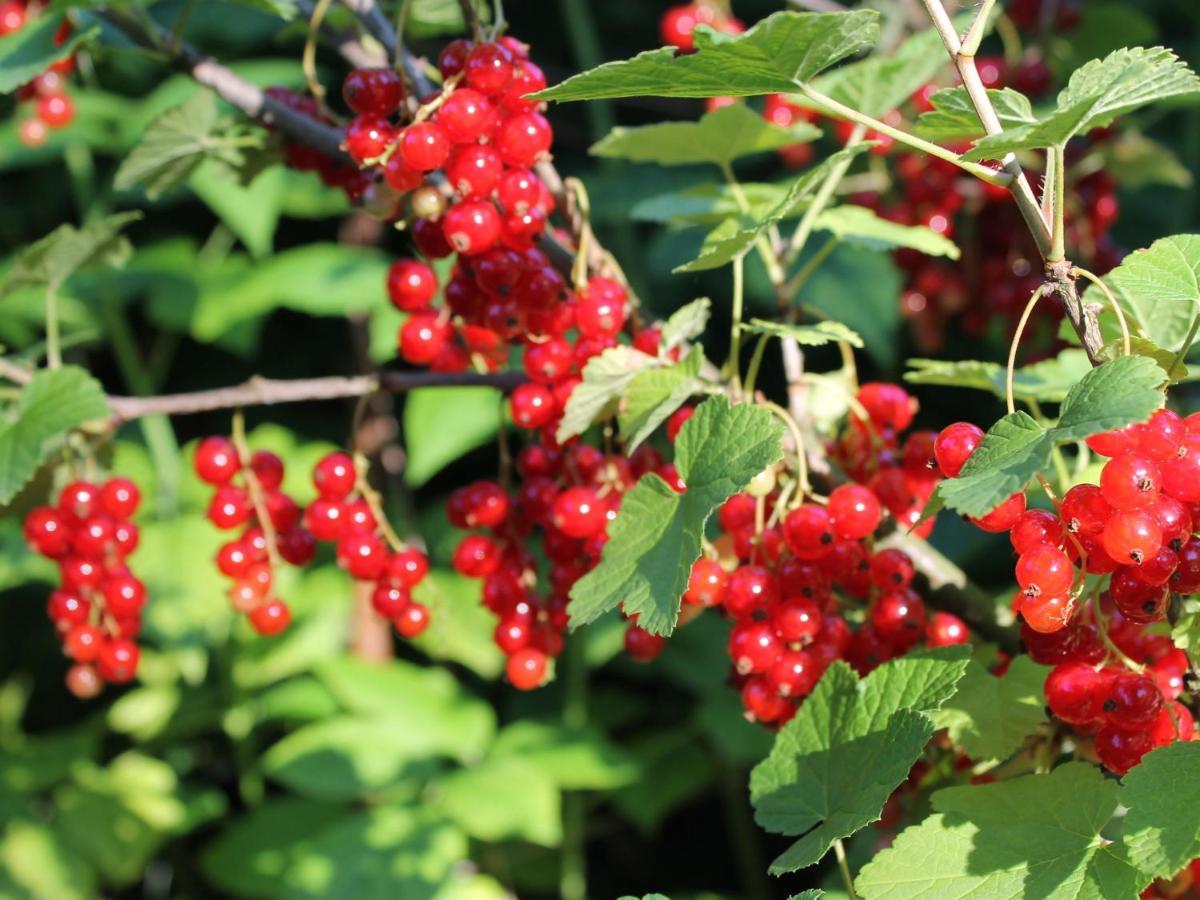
(579, 513)
(407, 567)
(793, 674)
(334, 476)
(118, 661)
(1034, 527)
(899, 618)
(526, 669)
(411, 285)
(47, 532)
(1133, 701)
(119, 497)
(808, 531)
(892, 569)
(954, 445)
(1075, 692)
(707, 584)
(1003, 517)
(373, 91)
(762, 703)
(641, 645)
(12, 16)
(524, 139)
(402, 179)
(751, 591)
(367, 137)
(675, 422)
(216, 460)
(1047, 613)
(412, 621)
(1130, 480)
(890, 407)
(1084, 510)
(532, 406)
(1161, 437)
(855, 511)
(364, 556)
(56, 110)
(423, 146)
(677, 24)
(270, 618)
(518, 190)
(600, 309)
(454, 57)
(476, 556)
(945, 629)
(1181, 473)
(422, 338)
(83, 642)
(1132, 536)
(32, 133)
(124, 595)
(473, 170)
(471, 226)
(753, 647)
(1114, 443)
(549, 361)
(489, 68)
(797, 621)
(1045, 570)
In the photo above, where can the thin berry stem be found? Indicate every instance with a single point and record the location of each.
(735, 329)
(1118, 311)
(1012, 348)
(258, 497)
(839, 850)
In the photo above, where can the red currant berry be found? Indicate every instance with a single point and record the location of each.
(471, 226)
(892, 569)
(56, 110)
(216, 460)
(797, 621)
(1047, 613)
(411, 285)
(117, 661)
(119, 497)
(1132, 536)
(641, 645)
(954, 445)
(752, 590)
(367, 137)
(707, 584)
(578, 512)
(1044, 570)
(1075, 692)
(793, 674)
(47, 532)
(423, 147)
(1114, 443)
(1181, 473)
(600, 309)
(1084, 510)
(524, 139)
(1003, 517)
(945, 629)
(489, 68)
(855, 511)
(1133, 701)
(1034, 527)
(364, 556)
(476, 556)
(526, 669)
(1162, 436)
(532, 406)
(373, 92)
(453, 57)
(270, 618)
(808, 531)
(1129, 480)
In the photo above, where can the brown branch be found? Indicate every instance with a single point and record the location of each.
(268, 392)
(14, 372)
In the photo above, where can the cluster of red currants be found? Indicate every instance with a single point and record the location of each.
(346, 513)
(1137, 526)
(798, 571)
(46, 93)
(97, 609)
(247, 494)
(351, 180)
(570, 493)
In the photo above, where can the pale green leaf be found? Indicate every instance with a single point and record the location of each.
(685, 324)
(1098, 93)
(657, 533)
(656, 393)
(835, 763)
(1110, 396)
(710, 204)
(172, 147)
(953, 116)
(442, 424)
(815, 335)
(1034, 836)
(859, 225)
(54, 402)
(1160, 288)
(1137, 161)
(1046, 380)
(735, 236)
(36, 866)
(605, 379)
(575, 759)
(990, 717)
(502, 798)
(719, 137)
(1162, 827)
(779, 51)
(53, 259)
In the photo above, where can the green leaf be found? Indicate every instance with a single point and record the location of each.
(656, 393)
(442, 424)
(502, 799)
(953, 116)
(709, 204)
(685, 324)
(657, 533)
(605, 379)
(54, 402)
(30, 50)
(991, 717)
(461, 628)
(381, 853)
(1116, 393)
(815, 335)
(1162, 827)
(1186, 632)
(861, 226)
(1160, 288)
(172, 147)
(1137, 161)
(878, 84)
(834, 765)
(1013, 451)
(34, 865)
(1035, 836)
(1046, 380)
(779, 51)
(251, 211)
(575, 759)
(735, 236)
(874, 282)
(67, 249)
(1098, 93)
(719, 137)
(253, 853)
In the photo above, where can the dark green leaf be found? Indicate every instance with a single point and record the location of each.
(1013, 451)
(859, 225)
(1035, 836)
(719, 137)
(35, 865)
(1137, 161)
(53, 403)
(1162, 827)
(874, 282)
(442, 424)
(656, 393)
(29, 51)
(835, 763)
(1098, 93)
(781, 50)
(67, 249)
(814, 335)
(657, 534)
(605, 379)
(710, 204)
(1160, 288)
(953, 115)
(1112, 395)
(990, 717)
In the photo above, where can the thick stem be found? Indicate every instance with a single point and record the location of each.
(268, 392)
(1058, 241)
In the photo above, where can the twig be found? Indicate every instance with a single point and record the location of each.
(15, 373)
(268, 391)
(249, 98)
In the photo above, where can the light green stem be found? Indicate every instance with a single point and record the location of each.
(840, 851)
(1058, 250)
(792, 288)
(735, 328)
(822, 197)
(770, 259)
(984, 173)
(970, 44)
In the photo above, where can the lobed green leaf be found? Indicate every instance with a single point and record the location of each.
(862, 226)
(1162, 827)
(1159, 288)
(990, 717)
(656, 393)
(814, 335)
(605, 379)
(30, 50)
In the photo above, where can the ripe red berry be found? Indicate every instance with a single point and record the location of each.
(1114, 443)
(368, 137)
(1003, 517)
(1045, 570)
(797, 620)
(899, 618)
(600, 309)
(1047, 613)
(412, 621)
(793, 674)
(855, 511)
(471, 226)
(216, 460)
(641, 645)
(373, 92)
(532, 406)
(411, 285)
(752, 590)
(1034, 527)
(1181, 473)
(954, 445)
(47, 532)
(753, 647)
(945, 629)
(526, 669)
(1132, 536)
(677, 24)
(579, 512)
(364, 556)
(1162, 436)
(117, 661)
(476, 556)
(1076, 691)
(407, 567)
(892, 569)
(119, 497)
(707, 583)
(1133, 701)
(523, 139)
(422, 338)
(1129, 480)
(423, 146)
(454, 57)
(808, 531)
(1084, 510)
(270, 618)
(56, 110)
(489, 68)
(762, 703)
